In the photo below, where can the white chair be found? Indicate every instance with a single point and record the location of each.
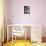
(17, 31)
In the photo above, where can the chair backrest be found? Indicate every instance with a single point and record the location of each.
(18, 30)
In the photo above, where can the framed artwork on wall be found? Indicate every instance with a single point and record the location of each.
(26, 9)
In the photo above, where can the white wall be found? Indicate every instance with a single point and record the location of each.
(38, 15)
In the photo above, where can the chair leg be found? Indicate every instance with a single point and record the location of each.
(15, 38)
(12, 37)
(25, 36)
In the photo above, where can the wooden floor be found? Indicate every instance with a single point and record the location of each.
(23, 43)
(43, 39)
(18, 43)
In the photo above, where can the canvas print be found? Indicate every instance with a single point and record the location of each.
(26, 9)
